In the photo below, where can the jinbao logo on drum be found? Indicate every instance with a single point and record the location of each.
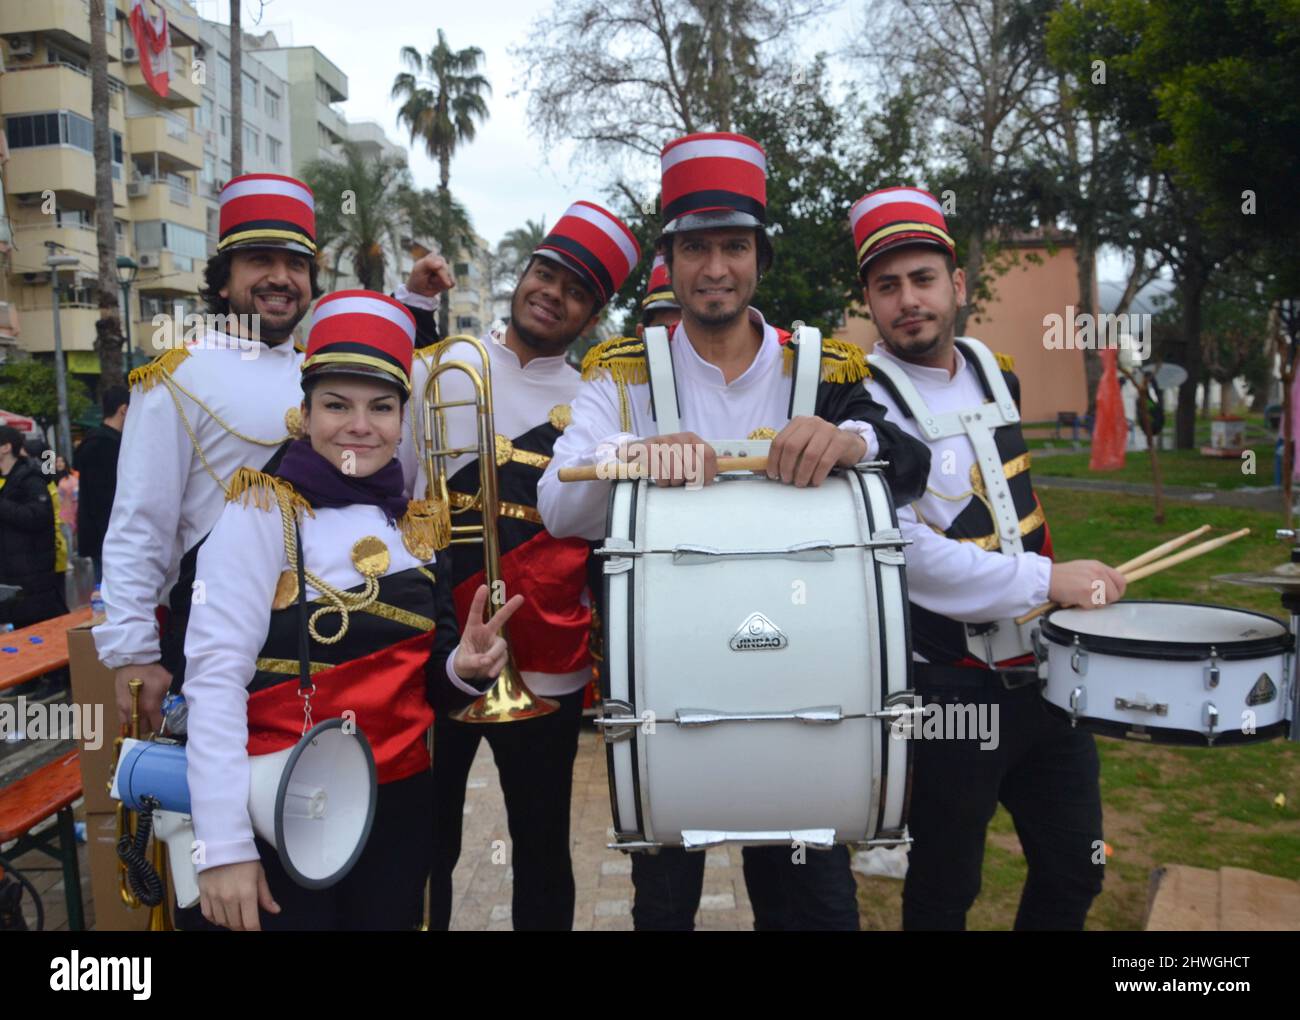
(758, 633)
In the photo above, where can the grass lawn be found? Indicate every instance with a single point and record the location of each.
(1177, 467)
(1202, 807)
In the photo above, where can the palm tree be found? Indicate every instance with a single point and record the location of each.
(359, 210)
(236, 91)
(442, 98)
(108, 332)
(517, 247)
(717, 52)
(448, 223)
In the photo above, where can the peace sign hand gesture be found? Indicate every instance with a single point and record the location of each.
(482, 649)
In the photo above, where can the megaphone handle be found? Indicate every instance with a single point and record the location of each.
(178, 833)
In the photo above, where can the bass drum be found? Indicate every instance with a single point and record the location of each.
(1168, 672)
(756, 641)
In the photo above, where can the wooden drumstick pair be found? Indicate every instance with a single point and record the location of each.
(1150, 562)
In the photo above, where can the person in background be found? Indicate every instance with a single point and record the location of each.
(27, 536)
(96, 461)
(67, 481)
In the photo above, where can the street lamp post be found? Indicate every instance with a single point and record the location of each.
(55, 263)
(126, 271)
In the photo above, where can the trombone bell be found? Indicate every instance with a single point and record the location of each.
(507, 700)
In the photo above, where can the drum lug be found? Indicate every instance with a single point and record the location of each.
(635, 845)
(886, 838)
(1212, 670)
(618, 550)
(1079, 658)
(1038, 645)
(1078, 704)
(1210, 720)
(1158, 708)
(890, 554)
(616, 720)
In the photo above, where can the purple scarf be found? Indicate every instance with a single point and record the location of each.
(325, 486)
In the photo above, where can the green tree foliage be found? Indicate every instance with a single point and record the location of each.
(28, 387)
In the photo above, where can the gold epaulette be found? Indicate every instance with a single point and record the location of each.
(425, 527)
(621, 359)
(426, 352)
(148, 376)
(841, 361)
(256, 488)
(1005, 362)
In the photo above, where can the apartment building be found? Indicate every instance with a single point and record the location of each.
(49, 185)
(265, 108)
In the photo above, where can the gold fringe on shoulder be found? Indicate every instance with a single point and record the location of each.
(256, 488)
(148, 376)
(621, 359)
(841, 361)
(428, 350)
(1005, 362)
(425, 527)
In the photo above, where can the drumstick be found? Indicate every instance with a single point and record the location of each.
(1184, 556)
(636, 469)
(1154, 554)
(1149, 568)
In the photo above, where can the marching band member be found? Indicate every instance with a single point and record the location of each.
(732, 378)
(382, 627)
(981, 555)
(200, 412)
(659, 307)
(576, 269)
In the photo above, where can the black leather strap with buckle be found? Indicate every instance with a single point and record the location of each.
(929, 675)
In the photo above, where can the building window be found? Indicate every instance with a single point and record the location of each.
(272, 104)
(250, 91)
(156, 235)
(223, 73)
(225, 125)
(322, 90)
(273, 150)
(467, 323)
(251, 140)
(28, 131)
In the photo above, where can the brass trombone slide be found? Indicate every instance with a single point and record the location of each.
(509, 699)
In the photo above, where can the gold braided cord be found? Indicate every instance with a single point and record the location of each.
(170, 381)
(337, 600)
(194, 440)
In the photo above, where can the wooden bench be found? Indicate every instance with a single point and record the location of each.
(39, 649)
(50, 790)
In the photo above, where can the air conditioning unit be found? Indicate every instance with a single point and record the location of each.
(218, 184)
(138, 189)
(150, 260)
(20, 46)
(129, 55)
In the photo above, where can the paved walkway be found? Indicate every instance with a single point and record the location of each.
(603, 877)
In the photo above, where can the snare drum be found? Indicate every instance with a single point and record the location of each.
(755, 641)
(1168, 672)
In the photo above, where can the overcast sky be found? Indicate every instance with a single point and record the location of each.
(503, 177)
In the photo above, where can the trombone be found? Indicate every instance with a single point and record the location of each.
(509, 699)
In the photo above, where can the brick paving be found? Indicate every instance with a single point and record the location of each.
(603, 877)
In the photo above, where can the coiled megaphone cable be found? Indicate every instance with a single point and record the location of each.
(140, 872)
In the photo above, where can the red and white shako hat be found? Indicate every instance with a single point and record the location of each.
(713, 180)
(361, 332)
(892, 217)
(659, 294)
(267, 211)
(596, 245)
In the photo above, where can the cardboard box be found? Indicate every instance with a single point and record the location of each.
(111, 914)
(92, 684)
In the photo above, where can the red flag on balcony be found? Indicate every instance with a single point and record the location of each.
(153, 43)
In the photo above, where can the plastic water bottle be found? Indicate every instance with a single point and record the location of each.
(175, 713)
(96, 601)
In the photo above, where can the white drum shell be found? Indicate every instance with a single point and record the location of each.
(844, 621)
(1171, 699)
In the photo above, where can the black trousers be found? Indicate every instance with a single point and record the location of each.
(535, 762)
(384, 891)
(1045, 773)
(816, 894)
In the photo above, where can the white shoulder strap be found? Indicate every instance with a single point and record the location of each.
(663, 384)
(807, 370)
(992, 373)
(934, 426)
